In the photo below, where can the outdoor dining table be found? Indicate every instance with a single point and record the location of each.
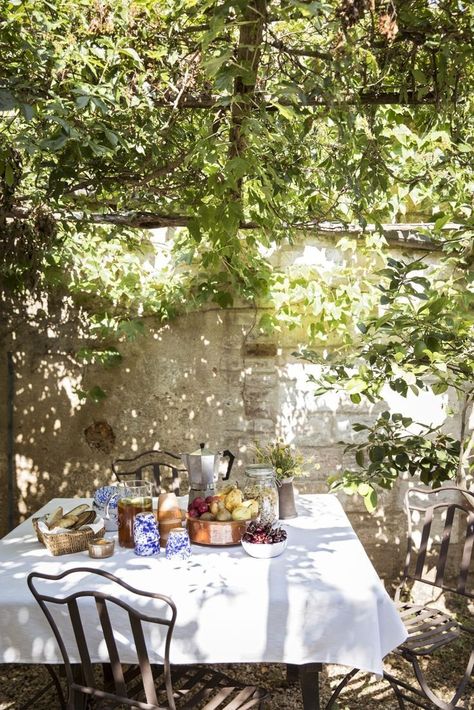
(320, 602)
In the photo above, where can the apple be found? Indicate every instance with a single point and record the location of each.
(193, 513)
(202, 508)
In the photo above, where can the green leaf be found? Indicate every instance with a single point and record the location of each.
(286, 111)
(7, 101)
(224, 299)
(9, 175)
(356, 385)
(364, 489)
(96, 394)
(28, 111)
(82, 101)
(370, 500)
(376, 454)
(130, 52)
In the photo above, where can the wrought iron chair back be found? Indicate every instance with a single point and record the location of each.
(440, 554)
(161, 467)
(440, 539)
(88, 685)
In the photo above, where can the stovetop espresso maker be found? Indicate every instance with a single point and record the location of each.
(203, 469)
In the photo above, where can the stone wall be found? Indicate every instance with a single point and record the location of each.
(208, 376)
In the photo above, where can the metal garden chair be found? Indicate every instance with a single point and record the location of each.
(161, 467)
(142, 685)
(440, 556)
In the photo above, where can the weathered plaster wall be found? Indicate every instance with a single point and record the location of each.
(206, 377)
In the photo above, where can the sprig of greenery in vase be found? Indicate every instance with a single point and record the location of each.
(286, 462)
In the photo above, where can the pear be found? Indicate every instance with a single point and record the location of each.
(215, 506)
(241, 512)
(207, 516)
(233, 499)
(224, 516)
(254, 508)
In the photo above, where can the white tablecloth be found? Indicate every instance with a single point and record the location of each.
(320, 601)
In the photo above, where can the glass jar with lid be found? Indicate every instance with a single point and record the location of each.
(260, 484)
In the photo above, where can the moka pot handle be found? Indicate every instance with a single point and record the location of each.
(228, 455)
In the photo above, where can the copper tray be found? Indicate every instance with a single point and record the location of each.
(214, 532)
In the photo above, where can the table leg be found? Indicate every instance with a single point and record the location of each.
(292, 673)
(309, 682)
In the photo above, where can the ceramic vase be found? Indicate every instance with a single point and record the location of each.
(286, 499)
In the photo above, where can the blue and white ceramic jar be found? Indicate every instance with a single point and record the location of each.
(105, 505)
(178, 546)
(102, 495)
(146, 534)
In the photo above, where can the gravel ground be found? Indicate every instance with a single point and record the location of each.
(18, 683)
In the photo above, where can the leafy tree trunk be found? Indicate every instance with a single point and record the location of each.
(248, 59)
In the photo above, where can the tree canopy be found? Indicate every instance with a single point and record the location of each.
(244, 121)
(247, 124)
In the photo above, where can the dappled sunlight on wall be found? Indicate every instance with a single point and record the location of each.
(426, 408)
(210, 377)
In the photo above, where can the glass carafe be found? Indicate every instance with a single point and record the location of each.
(133, 497)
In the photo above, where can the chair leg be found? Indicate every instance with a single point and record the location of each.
(57, 685)
(341, 687)
(466, 679)
(54, 683)
(75, 701)
(397, 693)
(432, 697)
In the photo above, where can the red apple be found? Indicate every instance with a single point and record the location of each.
(202, 508)
(193, 513)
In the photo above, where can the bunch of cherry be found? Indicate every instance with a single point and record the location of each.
(264, 533)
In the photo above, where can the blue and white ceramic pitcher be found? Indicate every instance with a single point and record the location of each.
(105, 504)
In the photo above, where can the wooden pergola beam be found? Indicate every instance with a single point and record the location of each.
(408, 236)
(381, 98)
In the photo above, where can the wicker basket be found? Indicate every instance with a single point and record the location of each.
(67, 543)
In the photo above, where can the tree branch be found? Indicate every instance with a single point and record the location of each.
(402, 235)
(133, 178)
(380, 98)
(278, 44)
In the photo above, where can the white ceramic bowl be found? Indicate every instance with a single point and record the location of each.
(264, 550)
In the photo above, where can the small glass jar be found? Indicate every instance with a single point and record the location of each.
(260, 484)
